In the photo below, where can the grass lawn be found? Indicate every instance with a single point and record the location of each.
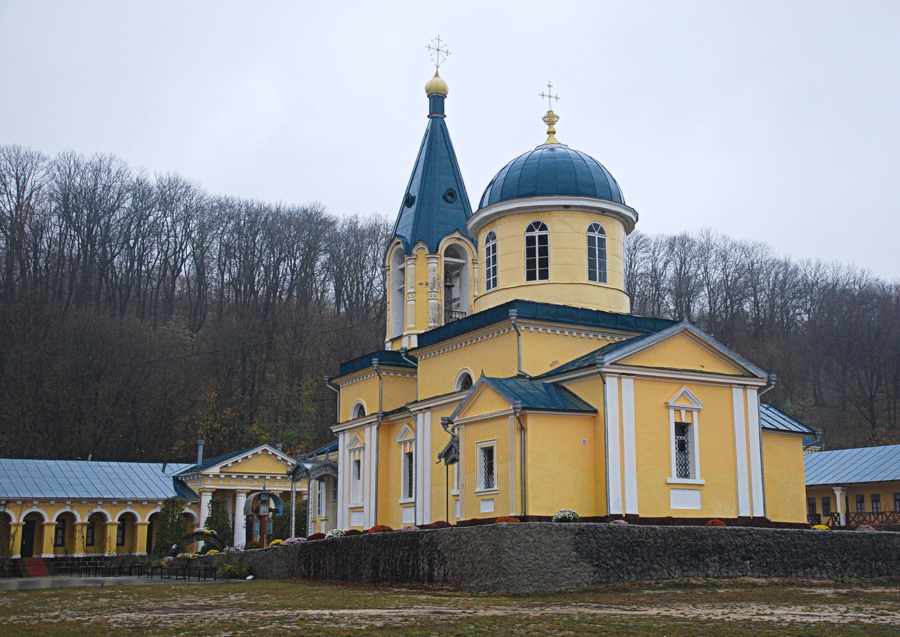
(673, 608)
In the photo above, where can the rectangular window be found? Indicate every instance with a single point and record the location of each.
(490, 263)
(826, 506)
(860, 504)
(320, 497)
(334, 488)
(897, 502)
(683, 451)
(811, 506)
(409, 463)
(356, 481)
(59, 534)
(876, 502)
(486, 476)
(120, 533)
(89, 534)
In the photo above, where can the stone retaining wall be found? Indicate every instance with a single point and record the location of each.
(541, 556)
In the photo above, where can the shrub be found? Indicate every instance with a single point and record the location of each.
(353, 532)
(335, 533)
(820, 527)
(410, 527)
(295, 540)
(667, 521)
(715, 523)
(618, 522)
(440, 524)
(316, 536)
(233, 571)
(567, 516)
(507, 520)
(252, 545)
(276, 542)
(380, 528)
(865, 527)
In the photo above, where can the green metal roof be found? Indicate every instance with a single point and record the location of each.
(384, 356)
(535, 395)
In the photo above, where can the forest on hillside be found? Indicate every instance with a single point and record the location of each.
(139, 313)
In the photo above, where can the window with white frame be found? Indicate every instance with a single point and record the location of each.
(596, 253)
(409, 470)
(356, 480)
(358, 411)
(490, 262)
(464, 381)
(59, 535)
(684, 412)
(320, 497)
(537, 252)
(487, 476)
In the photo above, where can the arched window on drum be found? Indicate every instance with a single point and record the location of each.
(537, 252)
(490, 262)
(596, 253)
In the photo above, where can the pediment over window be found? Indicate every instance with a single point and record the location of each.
(406, 434)
(685, 399)
(355, 443)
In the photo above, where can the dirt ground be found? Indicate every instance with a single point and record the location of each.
(674, 608)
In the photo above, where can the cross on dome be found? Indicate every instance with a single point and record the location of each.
(438, 52)
(550, 118)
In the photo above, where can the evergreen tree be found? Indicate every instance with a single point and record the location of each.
(219, 521)
(171, 526)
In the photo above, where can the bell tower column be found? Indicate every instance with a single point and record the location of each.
(434, 288)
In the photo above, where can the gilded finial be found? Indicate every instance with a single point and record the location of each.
(550, 118)
(438, 52)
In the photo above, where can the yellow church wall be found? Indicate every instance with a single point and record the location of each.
(487, 401)
(442, 498)
(397, 390)
(560, 469)
(568, 261)
(546, 347)
(717, 464)
(784, 477)
(390, 465)
(262, 463)
(496, 430)
(681, 352)
(591, 391)
(496, 357)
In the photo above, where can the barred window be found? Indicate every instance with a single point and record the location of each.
(596, 253)
(408, 475)
(682, 450)
(826, 506)
(860, 504)
(490, 262)
(537, 252)
(876, 503)
(486, 473)
(59, 535)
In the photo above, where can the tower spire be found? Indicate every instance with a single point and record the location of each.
(550, 118)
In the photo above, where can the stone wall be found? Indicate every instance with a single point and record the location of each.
(542, 556)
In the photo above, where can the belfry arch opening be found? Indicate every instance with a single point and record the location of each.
(398, 292)
(456, 283)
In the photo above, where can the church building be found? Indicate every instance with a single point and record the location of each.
(515, 381)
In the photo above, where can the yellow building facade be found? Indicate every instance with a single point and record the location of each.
(515, 381)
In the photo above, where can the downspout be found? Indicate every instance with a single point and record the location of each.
(416, 465)
(403, 351)
(337, 391)
(512, 318)
(772, 379)
(600, 362)
(447, 425)
(517, 409)
(380, 416)
(380, 389)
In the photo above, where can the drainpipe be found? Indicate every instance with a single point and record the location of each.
(772, 379)
(380, 389)
(512, 317)
(517, 410)
(447, 425)
(417, 461)
(199, 452)
(337, 391)
(403, 351)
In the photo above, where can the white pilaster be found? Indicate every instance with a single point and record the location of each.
(512, 465)
(205, 498)
(342, 482)
(427, 468)
(629, 446)
(740, 451)
(756, 465)
(613, 459)
(419, 457)
(240, 530)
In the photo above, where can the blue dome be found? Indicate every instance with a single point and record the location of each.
(552, 170)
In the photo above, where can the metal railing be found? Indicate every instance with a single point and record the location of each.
(451, 315)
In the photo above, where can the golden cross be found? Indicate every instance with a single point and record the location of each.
(438, 51)
(549, 96)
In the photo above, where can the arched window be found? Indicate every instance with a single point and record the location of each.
(398, 292)
(464, 381)
(537, 252)
(358, 411)
(490, 262)
(456, 283)
(596, 253)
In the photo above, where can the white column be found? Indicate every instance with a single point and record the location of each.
(740, 451)
(756, 465)
(840, 494)
(630, 446)
(205, 497)
(511, 424)
(240, 530)
(427, 468)
(343, 465)
(613, 460)
(420, 467)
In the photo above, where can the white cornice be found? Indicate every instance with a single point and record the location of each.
(625, 214)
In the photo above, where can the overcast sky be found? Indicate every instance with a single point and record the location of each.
(778, 122)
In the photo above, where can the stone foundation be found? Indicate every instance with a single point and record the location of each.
(545, 557)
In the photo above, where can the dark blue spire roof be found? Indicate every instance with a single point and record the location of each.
(435, 203)
(552, 170)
